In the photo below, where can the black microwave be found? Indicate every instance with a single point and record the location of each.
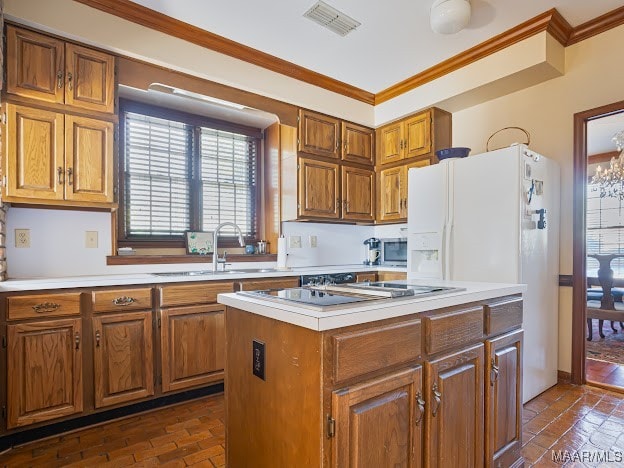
(394, 251)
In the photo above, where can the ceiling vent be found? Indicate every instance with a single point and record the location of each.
(331, 18)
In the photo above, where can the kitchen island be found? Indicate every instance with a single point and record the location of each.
(435, 380)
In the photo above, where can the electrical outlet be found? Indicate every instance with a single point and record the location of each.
(91, 239)
(313, 242)
(22, 238)
(294, 242)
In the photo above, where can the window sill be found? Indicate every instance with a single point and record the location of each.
(168, 259)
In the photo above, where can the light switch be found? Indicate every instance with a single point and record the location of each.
(91, 239)
(313, 241)
(294, 242)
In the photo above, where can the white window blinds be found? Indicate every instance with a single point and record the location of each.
(178, 177)
(605, 229)
(157, 173)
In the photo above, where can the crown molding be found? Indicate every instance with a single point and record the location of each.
(602, 157)
(550, 21)
(596, 26)
(143, 16)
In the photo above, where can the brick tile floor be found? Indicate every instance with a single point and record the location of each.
(566, 417)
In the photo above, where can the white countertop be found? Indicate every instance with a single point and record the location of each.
(238, 273)
(370, 311)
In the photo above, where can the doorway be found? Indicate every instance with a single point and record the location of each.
(598, 246)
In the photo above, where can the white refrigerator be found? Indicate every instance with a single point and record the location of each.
(478, 219)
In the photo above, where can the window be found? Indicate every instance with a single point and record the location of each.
(605, 230)
(180, 172)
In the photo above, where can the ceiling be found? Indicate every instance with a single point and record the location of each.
(393, 43)
(600, 133)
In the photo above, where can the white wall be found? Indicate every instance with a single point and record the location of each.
(337, 244)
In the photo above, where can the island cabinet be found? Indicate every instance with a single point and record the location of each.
(433, 389)
(192, 334)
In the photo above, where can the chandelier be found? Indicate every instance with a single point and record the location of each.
(611, 180)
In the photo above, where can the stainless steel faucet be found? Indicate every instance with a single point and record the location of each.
(215, 256)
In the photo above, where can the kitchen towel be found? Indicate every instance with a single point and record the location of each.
(281, 253)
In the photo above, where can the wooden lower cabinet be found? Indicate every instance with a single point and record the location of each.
(44, 371)
(454, 418)
(123, 357)
(192, 342)
(388, 411)
(503, 400)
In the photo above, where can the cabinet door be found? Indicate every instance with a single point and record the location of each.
(404, 197)
(358, 194)
(88, 159)
(357, 143)
(90, 79)
(34, 65)
(418, 135)
(44, 371)
(454, 416)
(123, 357)
(34, 153)
(319, 134)
(503, 399)
(390, 143)
(391, 190)
(319, 189)
(380, 422)
(192, 342)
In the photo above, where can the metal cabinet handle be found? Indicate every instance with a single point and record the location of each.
(337, 143)
(70, 77)
(345, 203)
(337, 203)
(70, 176)
(124, 301)
(59, 79)
(97, 339)
(77, 340)
(420, 404)
(345, 146)
(437, 398)
(46, 307)
(400, 144)
(60, 173)
(494, 373)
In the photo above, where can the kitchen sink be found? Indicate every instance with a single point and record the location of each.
(196, 273)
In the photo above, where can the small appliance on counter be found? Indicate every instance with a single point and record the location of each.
(372, 251)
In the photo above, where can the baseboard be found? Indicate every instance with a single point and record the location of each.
(564, 377)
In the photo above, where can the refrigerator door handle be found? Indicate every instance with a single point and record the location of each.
(447, 251)
(443, 253)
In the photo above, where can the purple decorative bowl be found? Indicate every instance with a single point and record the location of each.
(452, 153)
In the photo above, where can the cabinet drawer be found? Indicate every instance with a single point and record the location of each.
(361, 352)
(503, 316)
(38, 306)
(450, 330)
(198, 293)
(361, 277)
(253, 285)
(121, 299)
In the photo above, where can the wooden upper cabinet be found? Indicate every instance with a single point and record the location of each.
(454, 416)
(380, 422)
(48, 69)
(391, 189)
(319, 134)
(319, 189)
(89, 159)
(123, 357)
(34, 153)
(390, 143)
(358, 192)
(192, 344)
(35, 65)
(44, 371)
(417, 135)
(503, 400)
(358, 143)
(90, 79)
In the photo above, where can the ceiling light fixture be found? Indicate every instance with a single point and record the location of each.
(449, 16)
(611, 180)
(161, 88)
